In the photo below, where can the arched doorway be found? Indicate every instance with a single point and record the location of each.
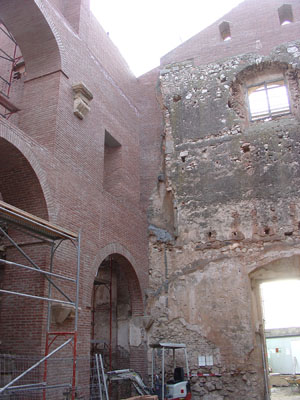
(40, 44)
(12, 76)
(275, 339)
(117, 323)
(19, 185)
(35, 60)
(20, 319)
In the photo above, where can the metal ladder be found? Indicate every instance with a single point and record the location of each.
(101, 377)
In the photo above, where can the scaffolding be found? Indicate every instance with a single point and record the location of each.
(53, 236)
(10, 63)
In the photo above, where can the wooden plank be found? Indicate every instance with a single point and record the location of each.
(23, 217)
(7, 104)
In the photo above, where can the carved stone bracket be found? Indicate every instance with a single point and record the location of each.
(82, 98)
(60, 312)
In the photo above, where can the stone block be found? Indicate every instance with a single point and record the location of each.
(82, 98)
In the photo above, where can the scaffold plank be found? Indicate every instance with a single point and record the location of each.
(8, 105)
(34, 223)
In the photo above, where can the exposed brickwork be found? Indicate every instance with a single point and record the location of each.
(254, 27)
(196, 196)
(61, 162)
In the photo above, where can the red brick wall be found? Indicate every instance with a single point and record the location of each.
(250, 21)
(151, 128)
(68, 153)
(40, 44)
(21, 319)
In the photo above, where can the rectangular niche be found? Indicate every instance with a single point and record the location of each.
(112, 176)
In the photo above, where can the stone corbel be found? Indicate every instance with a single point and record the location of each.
(82, 98)
(147, 322)
(60, 312)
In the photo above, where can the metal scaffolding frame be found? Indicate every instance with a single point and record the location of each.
(7, 81)
(108, 284)
(54, 236)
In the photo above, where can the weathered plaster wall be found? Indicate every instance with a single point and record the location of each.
(233, 206)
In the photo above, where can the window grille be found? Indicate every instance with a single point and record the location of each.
(268, 99)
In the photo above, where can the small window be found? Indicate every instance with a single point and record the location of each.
(285, 13)
(268, 99)
(224, 29)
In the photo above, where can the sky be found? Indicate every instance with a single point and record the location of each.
(280, 303)
(145, 30)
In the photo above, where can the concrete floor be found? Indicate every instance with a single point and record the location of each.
(285, 393)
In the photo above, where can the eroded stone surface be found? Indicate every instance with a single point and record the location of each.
(234, 201)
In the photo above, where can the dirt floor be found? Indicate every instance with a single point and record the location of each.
(285, 393)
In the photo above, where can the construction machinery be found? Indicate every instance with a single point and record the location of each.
(179, 387)
(133, 377)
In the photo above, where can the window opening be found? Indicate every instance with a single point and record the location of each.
(110, 141)
(268, 99)
(285, 13)
(224, 29)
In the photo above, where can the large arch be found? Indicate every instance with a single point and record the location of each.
(116, 248)
(15, 140)
(117, 314)
(21, 318)
(33, 29)
(19, 184)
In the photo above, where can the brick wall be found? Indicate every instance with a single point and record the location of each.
(254, 28)
(68, 154)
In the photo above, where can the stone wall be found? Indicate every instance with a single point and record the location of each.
(226, 205)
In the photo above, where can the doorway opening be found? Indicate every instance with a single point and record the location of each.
(111, 310)
(280, 299)
(117, 320)
(20, 328)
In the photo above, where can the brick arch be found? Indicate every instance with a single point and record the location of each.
(21, 186)
(35, 32)
(18, 144)
(130, 264)
(264, 66)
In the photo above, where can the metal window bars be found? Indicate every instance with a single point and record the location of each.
(268, 99)
(53, 236)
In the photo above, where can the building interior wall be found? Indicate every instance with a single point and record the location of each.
(196, 202)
